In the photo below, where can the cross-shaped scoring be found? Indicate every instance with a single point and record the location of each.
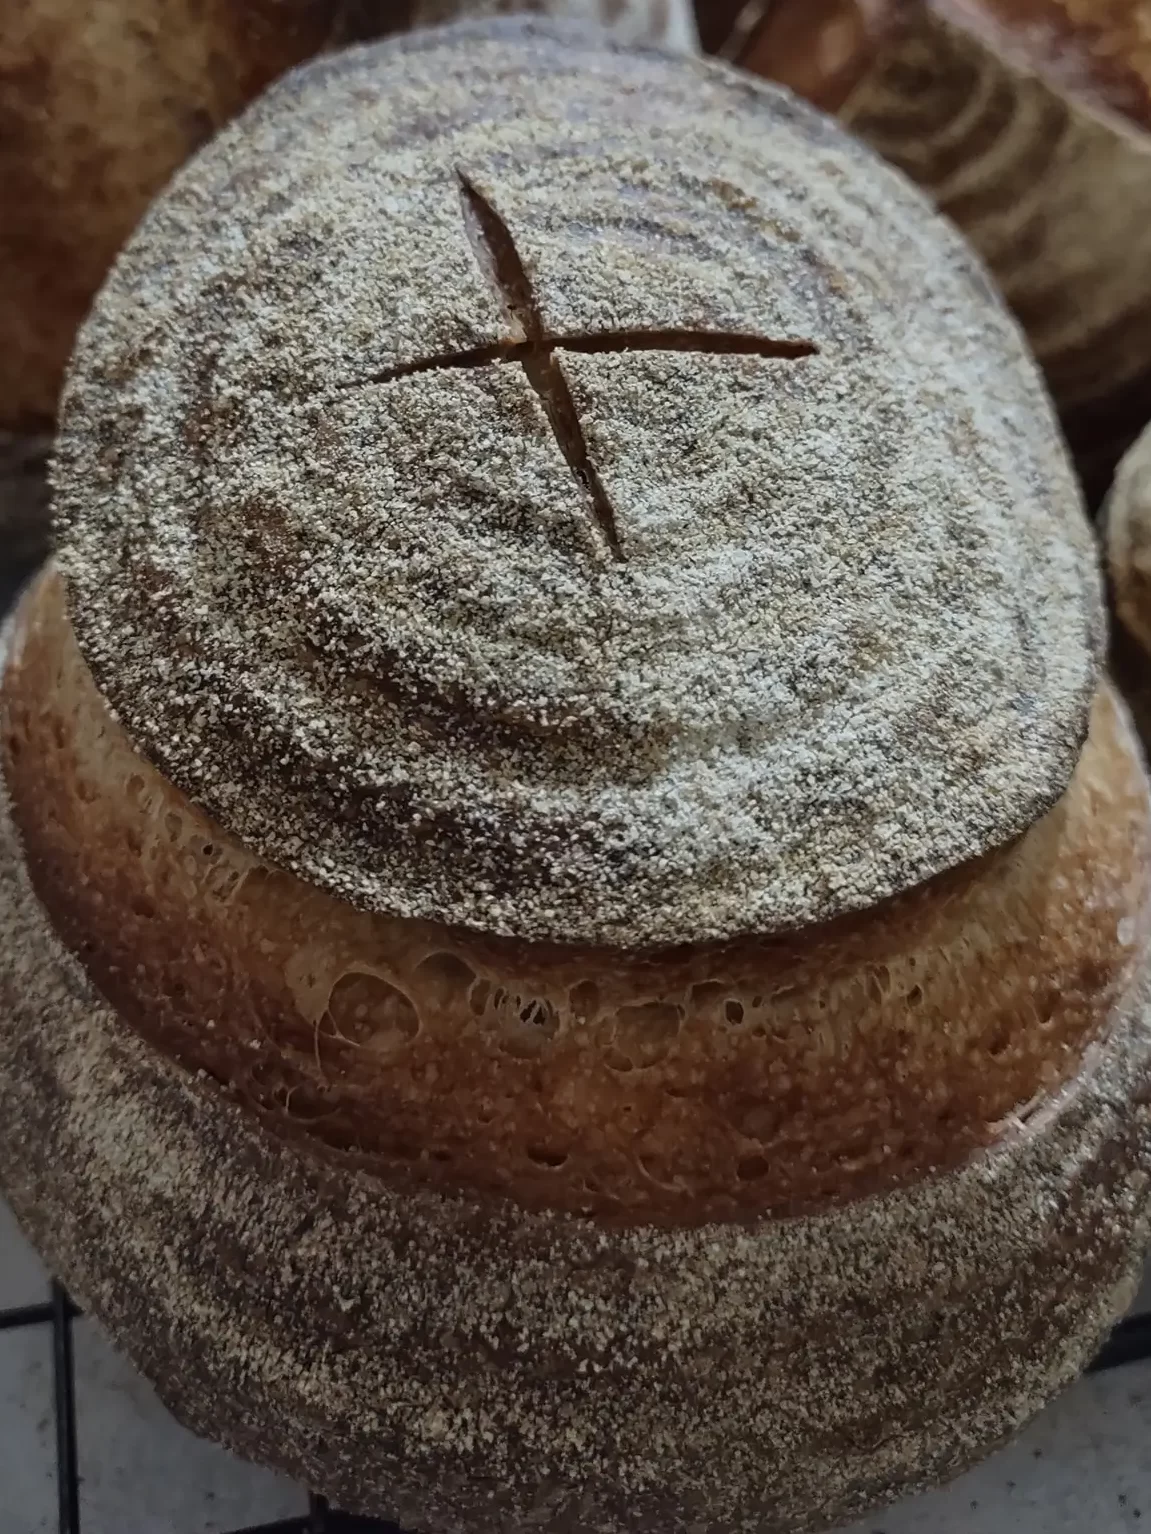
(536, 352)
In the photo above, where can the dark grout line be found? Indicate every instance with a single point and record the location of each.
(64, 1392)
(25, 1315)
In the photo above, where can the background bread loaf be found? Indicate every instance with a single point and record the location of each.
(1027, 121)
(1127, 534)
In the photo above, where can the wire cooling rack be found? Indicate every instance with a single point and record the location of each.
(1129, 1342)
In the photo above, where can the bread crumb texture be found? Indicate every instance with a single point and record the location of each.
(374, 627)
(471, 1368)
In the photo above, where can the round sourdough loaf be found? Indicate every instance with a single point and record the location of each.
(575, 912)
(726, 578)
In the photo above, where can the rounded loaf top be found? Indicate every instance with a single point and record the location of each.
(573, 492)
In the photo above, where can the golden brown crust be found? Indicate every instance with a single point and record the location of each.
(1097, 52)
(820, 49)
(695, 1084)
(96, 111)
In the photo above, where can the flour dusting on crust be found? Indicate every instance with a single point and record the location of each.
(372, 626)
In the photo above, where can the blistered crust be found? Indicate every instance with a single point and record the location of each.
(364, 615)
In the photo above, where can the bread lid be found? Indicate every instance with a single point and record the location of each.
(574, 492)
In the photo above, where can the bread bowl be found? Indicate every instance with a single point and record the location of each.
(575, 906)
(1027, 121)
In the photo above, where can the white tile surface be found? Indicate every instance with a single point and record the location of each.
(141, 1473)
(27, 1434)
(1083, 1468)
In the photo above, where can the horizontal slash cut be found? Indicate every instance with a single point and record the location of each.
(712, 343)
(477, 357)
(496, 252)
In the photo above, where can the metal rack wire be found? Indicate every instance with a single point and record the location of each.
(1129, 1342)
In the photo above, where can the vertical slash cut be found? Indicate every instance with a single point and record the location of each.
(544, 372)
